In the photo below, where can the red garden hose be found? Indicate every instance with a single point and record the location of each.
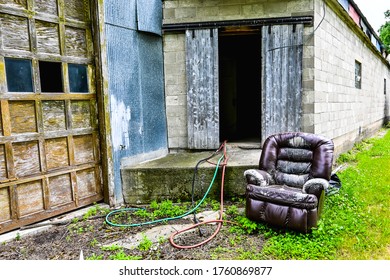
(219, 221)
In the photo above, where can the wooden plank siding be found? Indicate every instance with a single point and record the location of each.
(202, 88)
(50, 160)
(281, 78)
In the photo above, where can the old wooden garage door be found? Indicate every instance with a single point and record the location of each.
(49, 142)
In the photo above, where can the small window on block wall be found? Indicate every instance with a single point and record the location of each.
(358, 74)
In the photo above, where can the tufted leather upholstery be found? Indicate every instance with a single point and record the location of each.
(288, 188)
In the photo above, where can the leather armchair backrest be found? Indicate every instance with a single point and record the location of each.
(293, 158)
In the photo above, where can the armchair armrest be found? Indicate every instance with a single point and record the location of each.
(315, 186)
(258, 177)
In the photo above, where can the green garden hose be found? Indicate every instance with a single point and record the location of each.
(164, 219)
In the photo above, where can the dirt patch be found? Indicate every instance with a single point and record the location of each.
(98, 240)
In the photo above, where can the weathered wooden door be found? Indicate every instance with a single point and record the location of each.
(202, 88)
(49, 141)
(281, 78)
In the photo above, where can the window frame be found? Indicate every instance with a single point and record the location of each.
(358, 74)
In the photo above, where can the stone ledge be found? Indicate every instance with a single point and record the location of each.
(170, 177)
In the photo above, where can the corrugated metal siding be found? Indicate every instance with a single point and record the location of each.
(149, 15)
(152, 92)
(282, 78)
(125, 98)
(136, 82)
(121, 13)
(202, 88)
(141, 15)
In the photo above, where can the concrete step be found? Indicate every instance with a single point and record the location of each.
(171, 177)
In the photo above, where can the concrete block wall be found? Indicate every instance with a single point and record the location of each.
(331, 104)
(341, 111)
(175, 90)
(179, 11)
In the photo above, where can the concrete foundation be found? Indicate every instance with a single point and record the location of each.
(171, 177)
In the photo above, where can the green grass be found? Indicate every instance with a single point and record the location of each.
(355, 223)
(116, 252)
(369, 183)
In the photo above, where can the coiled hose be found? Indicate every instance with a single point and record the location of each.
(222, 161)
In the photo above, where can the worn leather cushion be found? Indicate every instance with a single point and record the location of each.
(283, 195)
(279, 215)
(301, 154)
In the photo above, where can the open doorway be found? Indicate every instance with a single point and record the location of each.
(240, 87)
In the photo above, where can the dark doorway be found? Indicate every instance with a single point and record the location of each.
(240, 87)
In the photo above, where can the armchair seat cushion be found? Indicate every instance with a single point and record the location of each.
(283, 195)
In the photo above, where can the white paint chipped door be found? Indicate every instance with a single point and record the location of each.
(202, 88)
(49, 136)
(281, 78)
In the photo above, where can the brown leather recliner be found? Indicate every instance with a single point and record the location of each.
(288, 188)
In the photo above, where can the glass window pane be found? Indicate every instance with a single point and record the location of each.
(358, 74)
(19, 75)
(78, 80)
(50, 74)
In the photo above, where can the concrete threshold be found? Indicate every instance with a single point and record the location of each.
(171, 177)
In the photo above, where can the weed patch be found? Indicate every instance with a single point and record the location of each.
(354, 225)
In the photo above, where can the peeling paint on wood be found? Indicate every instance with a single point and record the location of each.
(282, 78)
(49, 142)
(30, 196)
(5, 209)
(86, 183)
(56, 153)
(47, 37)
(81, 114)
(60, 189)
(15, 3)
(120, 124)
(83, 147)
(14, 31)
(76, 42)
(46, 6)
(53, 115)
(3, 166)
(76, 9)
(23, 117)
(202, 89)
(26, 158)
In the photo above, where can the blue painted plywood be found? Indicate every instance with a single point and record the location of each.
(149, 16)
(124, 91)
(152, 90)
(121, 13)
(135, 80)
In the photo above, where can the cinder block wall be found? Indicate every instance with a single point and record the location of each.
(176, 11)
(331, 104)
(341, 111)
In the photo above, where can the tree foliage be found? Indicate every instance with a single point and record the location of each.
(384, 31)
